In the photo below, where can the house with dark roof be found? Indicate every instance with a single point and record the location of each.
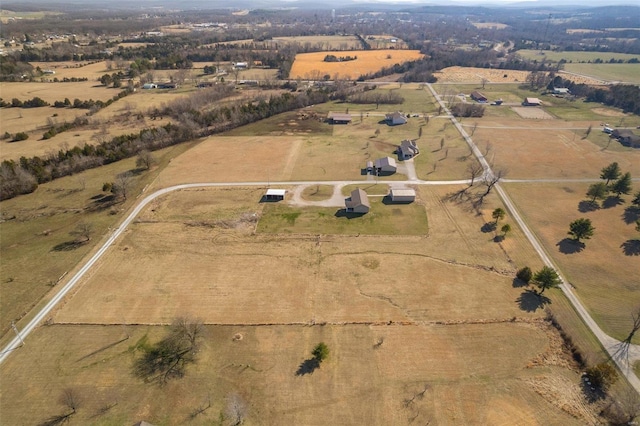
(385, 166)
(395, 119)
(338, 118)
(626, 137)
(478, 97)
(407, 149)
(358, 202)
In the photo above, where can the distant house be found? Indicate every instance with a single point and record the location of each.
(385, 165)
(395, 119)
(407, 149)
(358, 202)
(48, 72)
(532, 102)
(275, 194)
(167, 86)
(240, 65)
(150, 86)
(478, 97)
(626, 137)
(402, 195)
(338, 118)
(561, 91)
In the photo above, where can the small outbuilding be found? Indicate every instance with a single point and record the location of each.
(275, 194)
(395, 119)
(402, 195)
(532, 102)
(478, 97)
(150, 86)
(338, 118)
(561, 91)
(407, 149)
(358, 202)
(385, 165)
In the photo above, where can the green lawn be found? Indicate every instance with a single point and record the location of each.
(382, 219)
(629, 73)
(573, 56)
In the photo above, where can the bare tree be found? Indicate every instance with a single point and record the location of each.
(474, 170)
(622, 349)
(491, 181)
(484, 81)
(145, 159)
(82, 231)
(236, 409)
(473, 129)
(122, 185)
(71, 399)
(625, 409)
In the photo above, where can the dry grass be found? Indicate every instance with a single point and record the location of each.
(601, 272)
(317, 192)
(70, 69)
(51, 92)
(459, 74)
(490, 25)
(307, 65)
(532, 113)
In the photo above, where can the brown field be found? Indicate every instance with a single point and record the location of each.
(348, 42)
(92, 71)
(532, 113)
(458, 74)
(519, 151)
(51, 92)
(601, 273)
(308, 64)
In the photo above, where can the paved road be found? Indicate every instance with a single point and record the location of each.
(608, 342)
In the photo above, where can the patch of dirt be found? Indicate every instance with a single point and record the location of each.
(247, 219)
(567, 396)
(532, 113)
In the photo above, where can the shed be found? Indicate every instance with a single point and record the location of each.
(358, 202)
(561, 91)
(369, 166)
(275, 194)
(532, 102)
(478, 97)
(407, 149)
(338, 118)
(395, 119)
(386, 165)
(240, 65)
(402, 195)
(150, 86)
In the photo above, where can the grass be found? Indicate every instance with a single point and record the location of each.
(608, 72)
(369, 188)
(574, 56)
(405, 219)
(317, 192)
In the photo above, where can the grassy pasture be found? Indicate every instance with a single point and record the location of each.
(459, 74)
(601, 272)
(306, 65)
(70, 69)
(51, 92)
(490, 384)
(38, 225)
(574, 56)
(10, 15)
(328, 42)
(629, 73)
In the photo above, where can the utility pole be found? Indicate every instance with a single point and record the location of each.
(13, 325)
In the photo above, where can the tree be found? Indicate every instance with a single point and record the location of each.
(546, 278)
(71, 399)
(320, 352)
(636, 199)
(588, 131)
(474, 170)
(169, 357)
(622, 185)
(506, 228)
(602, 375)
(492, 180)
(581, 229)
(83, 231)
(525, 274)
(498, 214)
(145, 159)
(122, 184)
(611, 172)
(597, 191)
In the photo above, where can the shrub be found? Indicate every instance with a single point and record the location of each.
(524, 274)
(20, 136)
(602, 375)
(320, 352)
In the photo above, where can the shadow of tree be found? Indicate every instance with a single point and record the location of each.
(531, 301)
(68, 245)
(631, 214)
(348, 215)
(590, 392)
(308, 366)
(611, 201)
(587, 206)
(498, 238)
(517, 283)
(570, 246)
(488, 227)
(631, 247)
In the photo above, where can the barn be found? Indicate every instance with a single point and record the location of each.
(275, 194)
(385, 166)
(338, 118)
(402, 195)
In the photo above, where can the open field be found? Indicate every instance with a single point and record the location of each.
(328, 42)
(532, 113)
(312, 66)
(629, 73)
(71, 69)
(10, 15)
(490, 25)
(38, 225)
(468, 74)
(51, 92)
(487, 373)
(575, 56)
(603, 272)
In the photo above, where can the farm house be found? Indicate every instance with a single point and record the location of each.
(402, 195)
(395, 119)
(407, 149)
(478, 97)
(358, 202)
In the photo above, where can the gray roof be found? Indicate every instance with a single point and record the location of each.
(385, 161)
(409, 147)
(339, 116)
(358, 198)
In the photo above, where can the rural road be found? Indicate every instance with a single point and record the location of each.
(610, 344)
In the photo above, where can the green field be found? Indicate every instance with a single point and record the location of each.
(574, 56)
(628, 73)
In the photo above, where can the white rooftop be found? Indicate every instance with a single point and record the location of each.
(280, 192)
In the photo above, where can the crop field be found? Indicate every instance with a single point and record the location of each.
(628, 73)
(575, 56)
(51, 92)
(601, 271)
(329, 42)
(311, 65)
(458, 74)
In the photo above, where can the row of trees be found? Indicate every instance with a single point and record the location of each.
(615, 182)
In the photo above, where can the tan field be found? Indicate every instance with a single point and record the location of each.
(51, 92)
(70, 69)
(307, 65)
(469, 74)
(603, 275)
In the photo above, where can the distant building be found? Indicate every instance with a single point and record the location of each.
(532, 102)
(150, 86)
(167, 86)
(385, 166)
(395, 119)
(358, 202)
(407, 149)
(48, 72)
(626, 137)
(402, 195)
(240, 65)
(338, 118)
(478, 97)
(561, 91)
(275, 194)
